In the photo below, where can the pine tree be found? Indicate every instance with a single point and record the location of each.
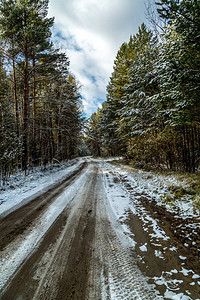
(25, 24)
(8, 135)
(44, 97)
(138, 110)
(113, 105)
(93, 134)
(179, 72)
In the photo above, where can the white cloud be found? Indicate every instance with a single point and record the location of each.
(91, 32)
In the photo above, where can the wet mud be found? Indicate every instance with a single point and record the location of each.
(85, 253)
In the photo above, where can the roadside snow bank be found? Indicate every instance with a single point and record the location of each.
(19, 249)
(20, 189)
(158, 188)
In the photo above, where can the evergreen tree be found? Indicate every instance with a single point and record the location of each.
(138, 110)
(152, 106)
(179, 73)
(43, 99)
(113, 105)
(93, 134)
(8, 136)
(25, 24)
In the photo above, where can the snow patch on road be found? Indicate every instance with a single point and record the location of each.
(125, 191)
(171, 295)
(143, 248)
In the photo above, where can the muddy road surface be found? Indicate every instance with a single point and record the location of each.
(93, 237)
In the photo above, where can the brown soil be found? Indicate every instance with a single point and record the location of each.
(84, 254)
(181, 236)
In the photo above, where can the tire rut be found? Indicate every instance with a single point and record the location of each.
(124, 277)
(60, 263)
(85, 253)
(159, 249)
(114, 271)
(19, 220)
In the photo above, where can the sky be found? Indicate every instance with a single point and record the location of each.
(91, 32)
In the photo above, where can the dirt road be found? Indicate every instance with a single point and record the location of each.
(93, 237)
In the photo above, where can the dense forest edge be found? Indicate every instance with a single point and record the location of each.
(40, 107)
(152, 112)
(151, 115)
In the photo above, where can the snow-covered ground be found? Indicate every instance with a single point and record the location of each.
(158, 188)
(124, 187)
(20, 189)
(21, 247)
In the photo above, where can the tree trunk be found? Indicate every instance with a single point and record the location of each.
(34, 103)
(25, 116)
(59, 140)
(52, 139)
(193, 150)
(15, 99)
(185, 156)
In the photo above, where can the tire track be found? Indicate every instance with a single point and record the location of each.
(161, 258)
(125, 279)
(17, 222)
(60, 263)
(115, 272)
(83, 254)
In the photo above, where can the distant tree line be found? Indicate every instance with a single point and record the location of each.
(152, 111)
(40, 103)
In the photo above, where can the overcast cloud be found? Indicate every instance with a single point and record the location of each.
(91, 32)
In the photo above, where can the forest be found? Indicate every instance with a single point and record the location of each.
(152, 111)
(40, 102)
(151, 115)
